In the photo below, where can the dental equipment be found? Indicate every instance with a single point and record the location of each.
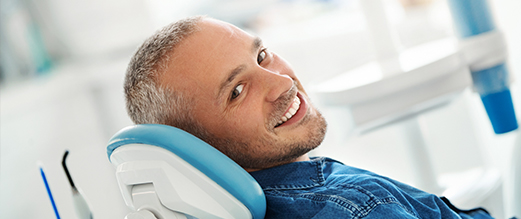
(80, 205)
(165, 172)
(484, 50)
(400, 85)
(49, 192)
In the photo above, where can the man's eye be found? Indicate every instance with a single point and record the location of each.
(237, 91)
(261, 56)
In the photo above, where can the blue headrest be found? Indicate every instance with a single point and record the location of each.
(200, 155)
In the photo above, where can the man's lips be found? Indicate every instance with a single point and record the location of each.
(300, 105)
(293, 108)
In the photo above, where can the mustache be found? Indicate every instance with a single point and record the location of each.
(281, 104)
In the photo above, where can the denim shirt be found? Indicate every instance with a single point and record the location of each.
(325, 188)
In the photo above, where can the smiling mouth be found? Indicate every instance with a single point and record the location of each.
(295, 106)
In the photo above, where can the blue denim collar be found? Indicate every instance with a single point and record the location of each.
(297, 175)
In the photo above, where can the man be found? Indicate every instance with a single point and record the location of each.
(221, 84)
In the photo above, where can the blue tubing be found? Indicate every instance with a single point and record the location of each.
(471, 17)
(491, 80)
(492, 85)
(500, 111)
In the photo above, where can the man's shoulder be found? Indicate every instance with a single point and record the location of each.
(324, 173)
(345, 184)
(332, 185)
(326, 188)
(339, 197)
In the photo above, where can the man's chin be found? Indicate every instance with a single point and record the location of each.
(289, 152)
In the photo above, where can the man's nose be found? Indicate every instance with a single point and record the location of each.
(276, 84)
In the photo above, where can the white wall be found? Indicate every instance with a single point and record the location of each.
(42, 119)
(79, 105)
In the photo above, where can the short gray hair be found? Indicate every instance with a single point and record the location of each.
(148, 101)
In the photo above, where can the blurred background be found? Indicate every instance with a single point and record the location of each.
(62, 65)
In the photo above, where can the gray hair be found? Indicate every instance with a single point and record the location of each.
(148, 101)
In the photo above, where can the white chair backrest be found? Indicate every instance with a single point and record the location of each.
(171, 173)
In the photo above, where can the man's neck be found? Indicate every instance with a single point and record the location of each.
(304, 157)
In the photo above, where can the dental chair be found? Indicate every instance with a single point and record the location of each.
(164, 172)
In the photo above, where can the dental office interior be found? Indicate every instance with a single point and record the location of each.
(422, 91)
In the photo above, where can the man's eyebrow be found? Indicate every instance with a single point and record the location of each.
(257, 43)
(236, 71)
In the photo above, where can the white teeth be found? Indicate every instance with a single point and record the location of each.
(291, 112)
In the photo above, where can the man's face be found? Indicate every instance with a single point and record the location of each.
(247, 98)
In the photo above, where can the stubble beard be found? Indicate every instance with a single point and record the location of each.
(251, 155)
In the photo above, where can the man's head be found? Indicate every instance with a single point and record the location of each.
(222, 85)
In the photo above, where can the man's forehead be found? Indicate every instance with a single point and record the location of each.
(211, 24)
(207, 55)
(214, 35)
(202, 46)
